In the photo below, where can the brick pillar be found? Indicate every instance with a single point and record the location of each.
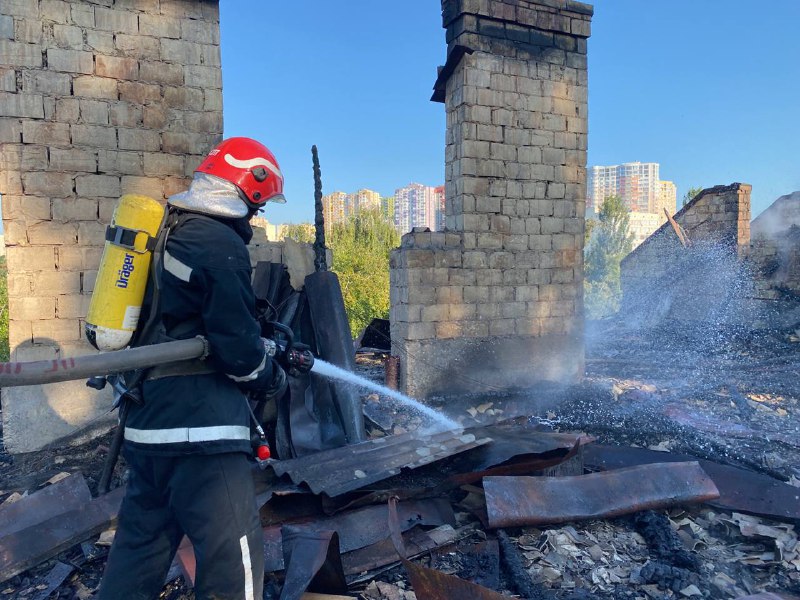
(496, 301)
(96, 100)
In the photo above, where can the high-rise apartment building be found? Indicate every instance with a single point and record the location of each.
(438, 198)
(667, 197)
(363, 200)
(636, 183)
(643, 224)
(334, 208)
(415, 205)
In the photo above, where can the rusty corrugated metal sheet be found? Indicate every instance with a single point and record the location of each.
(341, 470)
(740, 490)
(517, 501)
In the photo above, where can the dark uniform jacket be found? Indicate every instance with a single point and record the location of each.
(205, 290)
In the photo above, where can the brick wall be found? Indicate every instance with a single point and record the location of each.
(98, 98)
(495, 301)
(703, 282)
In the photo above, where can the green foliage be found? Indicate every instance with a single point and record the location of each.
(587, 232)
(361, 247)
(300, 232)
(4, 349)
(690, 194)
(610, 241)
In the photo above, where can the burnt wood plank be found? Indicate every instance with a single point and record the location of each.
(33, 545)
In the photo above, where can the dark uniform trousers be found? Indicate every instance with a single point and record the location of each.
(211, 499)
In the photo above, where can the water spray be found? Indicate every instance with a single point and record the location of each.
(328, 370)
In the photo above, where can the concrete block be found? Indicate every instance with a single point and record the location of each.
(138, 46)
(124, 114)
(211, 55)
(56, 11)
(199, 31)
(48, 184)
(116, 67)
(70, 61)
(73, 160)
(91, 234)
(82, 15)
(47, 133)
(95, 87)
(30, 260)
(26, 208)
(156, 117)
(45, 82)
(63, 330)
(139, 93)
(31, 308)
(203, 77)
(139, 139)
(72, 258)
(20, 55)
(102, 41)
(159, 26)
(124, 163)
(162, 164)
(21, 105)
(67, 110)
(212, 100)
(94, 136)
(161, 72)
(68, 36)
(115, 20)
(183, 8)
(8, 80)
(50, 232)
(20, 284)
(22, 158)
(10, 130)
(20, 8)
(107, 186)
(74, 209)
(421, 331)
(73, 306)
(185, 98)
(181, 52)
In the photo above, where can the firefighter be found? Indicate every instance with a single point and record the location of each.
(188, 444)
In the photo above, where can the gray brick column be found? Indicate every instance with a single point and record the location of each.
(97, 99)
(495, 302)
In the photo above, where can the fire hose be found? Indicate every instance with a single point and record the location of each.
(14, 374)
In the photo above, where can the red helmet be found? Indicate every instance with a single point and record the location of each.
(248, 165)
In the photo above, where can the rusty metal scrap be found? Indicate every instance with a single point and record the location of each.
(361, 528)
(517, 501)
(430, 584)
(341, 470)
(313, 563)
(740, 490)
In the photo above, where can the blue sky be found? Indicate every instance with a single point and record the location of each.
(710, 89)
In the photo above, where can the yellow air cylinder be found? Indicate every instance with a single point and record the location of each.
(122, 277)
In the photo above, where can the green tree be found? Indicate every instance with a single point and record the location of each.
(690, 194)
(361, 247)
(610, 241)
(300, 232)
(4, 349)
